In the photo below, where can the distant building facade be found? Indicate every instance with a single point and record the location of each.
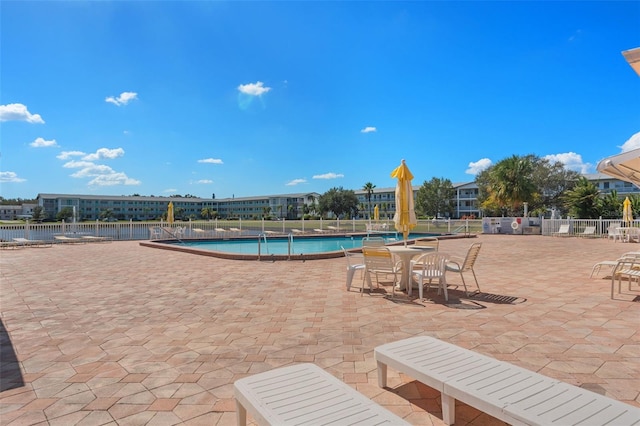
(90, 207)
(281, 206)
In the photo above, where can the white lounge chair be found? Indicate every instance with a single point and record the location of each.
(505, 391)
(305, 394)
(32, 243)
(69, 240)
(626, 267)
(95, 239)
(563, 231)
(589, 232)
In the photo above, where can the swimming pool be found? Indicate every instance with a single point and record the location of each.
(276, 248)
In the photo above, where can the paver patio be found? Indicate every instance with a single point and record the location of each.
(123, 334)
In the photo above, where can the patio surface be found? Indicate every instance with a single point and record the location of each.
(129, 335)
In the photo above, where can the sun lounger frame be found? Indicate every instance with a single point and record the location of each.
(507, 392)
(305, 394)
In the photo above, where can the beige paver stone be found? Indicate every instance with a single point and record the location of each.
(144, 333)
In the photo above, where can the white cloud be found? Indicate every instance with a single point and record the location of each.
(204, 181)
(478, 166)
(210, 160)
(102, 174)
(10, 177)
(170, 191)
(18, 112)
(296, 182)
(77, 164)
(105, 153)
(571, 161)
(369, 129)
(254, 89)
(65, 155)
(91, 170)
(123, 99)
(42, 143)
(113, 179)
(329, 176)
(632, 143)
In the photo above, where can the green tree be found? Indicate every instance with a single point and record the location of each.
(106, 214)
(179, 213)
(206, 212)
(611, 205)
(583, 200)
(436, 198)
(368, 188)
(266, 211)
(506, 185)
(65, 214)
(38, 214)
(339, 201)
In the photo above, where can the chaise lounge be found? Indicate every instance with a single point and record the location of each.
(507, 392)
(305, 394)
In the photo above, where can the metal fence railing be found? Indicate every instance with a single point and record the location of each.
(133, 230)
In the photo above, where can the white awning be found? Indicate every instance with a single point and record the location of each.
(625, 166)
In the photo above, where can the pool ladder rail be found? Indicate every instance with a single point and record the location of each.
(263, 237)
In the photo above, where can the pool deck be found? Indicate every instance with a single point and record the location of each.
(128, 335)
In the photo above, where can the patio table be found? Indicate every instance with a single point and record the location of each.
(406, 253)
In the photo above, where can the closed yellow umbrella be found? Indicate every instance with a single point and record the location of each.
(405, 217)
(627, 211)
(170, 212)
(376, 212)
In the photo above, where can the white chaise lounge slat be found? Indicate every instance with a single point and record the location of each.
(503, 390)
(565, 404)
(305, 394)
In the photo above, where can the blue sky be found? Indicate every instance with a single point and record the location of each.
(254, 98)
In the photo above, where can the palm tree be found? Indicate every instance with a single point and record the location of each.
(511, 182)
(368, 188)
(206, 213)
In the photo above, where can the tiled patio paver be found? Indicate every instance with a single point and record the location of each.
(123, 334)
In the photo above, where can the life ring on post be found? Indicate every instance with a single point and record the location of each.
(515, 225)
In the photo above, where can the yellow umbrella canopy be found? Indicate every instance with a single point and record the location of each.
(627, 211)
(405, 216)
(376, 212)
(170, 212)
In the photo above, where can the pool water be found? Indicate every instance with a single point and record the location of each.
(280, 246)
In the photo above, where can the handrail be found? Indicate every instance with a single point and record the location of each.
(173, 235)
(290, 244)
(264, 236)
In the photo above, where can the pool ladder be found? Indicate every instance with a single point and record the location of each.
(263, 237)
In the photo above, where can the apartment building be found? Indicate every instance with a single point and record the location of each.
(280, 206)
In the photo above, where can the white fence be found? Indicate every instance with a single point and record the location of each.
(199, 229)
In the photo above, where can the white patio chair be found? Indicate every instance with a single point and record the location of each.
(427, 242)
(430, 266)
(460, 266)
(355, 262)
(379, 261)
(155, 232)
(614, 233)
